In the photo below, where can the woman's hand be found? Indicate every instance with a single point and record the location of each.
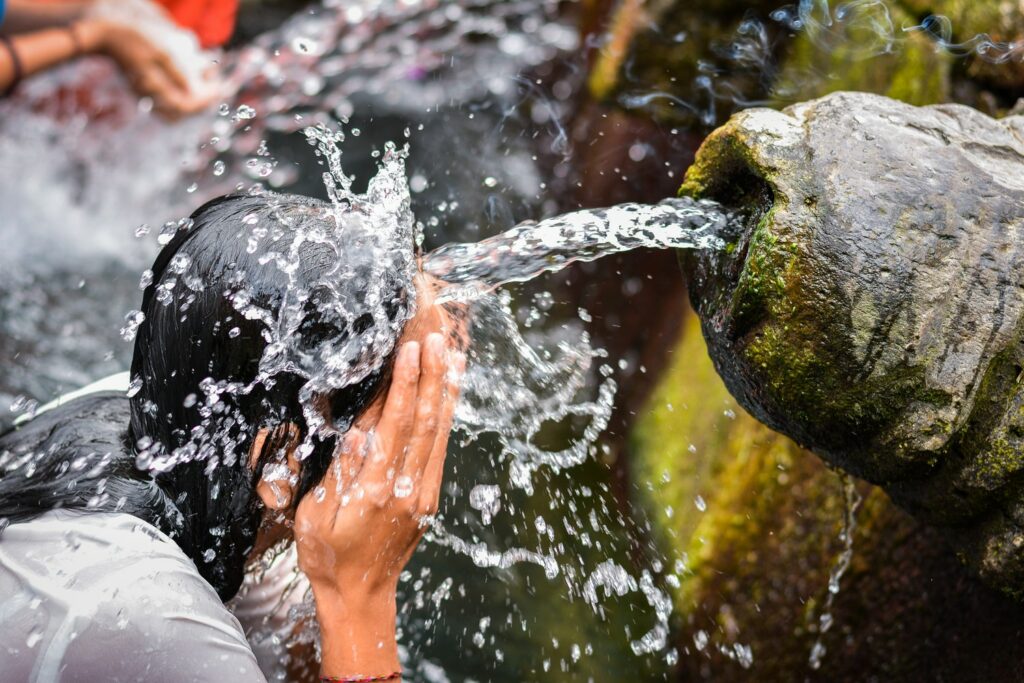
(151, 71)
(356, 535)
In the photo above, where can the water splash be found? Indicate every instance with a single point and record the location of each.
(851, 503)
(518, 386)
(532, 249)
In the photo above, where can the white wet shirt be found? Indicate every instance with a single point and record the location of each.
(108, 597)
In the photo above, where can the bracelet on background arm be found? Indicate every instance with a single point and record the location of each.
(16, 65)
(397, 675)
(77, 47)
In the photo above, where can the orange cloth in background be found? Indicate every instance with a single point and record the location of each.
(212, 21)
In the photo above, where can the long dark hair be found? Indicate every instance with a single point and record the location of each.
(195, 402)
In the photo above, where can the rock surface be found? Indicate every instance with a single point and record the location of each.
(872, 306)
(757, 523)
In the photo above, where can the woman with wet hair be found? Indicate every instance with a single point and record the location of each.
(276, 396)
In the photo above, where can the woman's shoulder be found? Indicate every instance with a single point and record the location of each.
(111, 578)
(106, 557)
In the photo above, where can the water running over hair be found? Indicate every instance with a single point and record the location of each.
(520, 386)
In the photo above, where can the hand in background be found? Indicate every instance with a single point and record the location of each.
(151, 71)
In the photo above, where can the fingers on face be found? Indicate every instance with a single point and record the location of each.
(320, 509)
(409, 442)
(396, 422)
(428, 407)
(433, 472)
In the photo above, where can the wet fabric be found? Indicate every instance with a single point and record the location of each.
(106, 596)
(264, 607)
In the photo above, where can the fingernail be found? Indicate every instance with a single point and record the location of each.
(410, 352)
(435, 342)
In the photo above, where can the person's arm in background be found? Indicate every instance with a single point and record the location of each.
(31, 15)
(27, 48)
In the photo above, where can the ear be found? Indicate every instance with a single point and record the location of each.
(276, 487)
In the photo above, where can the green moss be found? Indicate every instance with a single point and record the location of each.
(758, 559)
(604, 75)
(922, 76)
(688, 409)
(694, 440)
(914, 71)
(992, 467)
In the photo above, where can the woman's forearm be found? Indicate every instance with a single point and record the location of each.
(41, 50)
(357, 633)
(30, 15)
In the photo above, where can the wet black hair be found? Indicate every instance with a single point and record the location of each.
(194, 395)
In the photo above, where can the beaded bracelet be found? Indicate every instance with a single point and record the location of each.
(19, 71)
(360, 679)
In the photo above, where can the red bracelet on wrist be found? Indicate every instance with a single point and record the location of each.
(360, 679)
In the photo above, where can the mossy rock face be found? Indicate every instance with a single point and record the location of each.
(872, 305)
(759, 556)
(974, 22)
(866, 52)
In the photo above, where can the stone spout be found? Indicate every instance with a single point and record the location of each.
(871, 305)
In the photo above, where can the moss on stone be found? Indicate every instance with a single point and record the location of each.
(914, 71)
(998, 20)
(758, 559)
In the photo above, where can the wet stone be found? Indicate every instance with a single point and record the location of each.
(872, 305)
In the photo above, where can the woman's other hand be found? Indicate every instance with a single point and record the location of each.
(151, 71)
(356, 534)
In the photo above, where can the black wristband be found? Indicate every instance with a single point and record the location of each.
(19, 70)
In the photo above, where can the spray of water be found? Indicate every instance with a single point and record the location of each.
(851, 501)
(516, 387)
(534, 248)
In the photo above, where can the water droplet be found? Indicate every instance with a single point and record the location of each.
(132, 321)
(34, 636)
(24, 406)
(179, 263)
(418, 183)
(487, 499)
(403, 486)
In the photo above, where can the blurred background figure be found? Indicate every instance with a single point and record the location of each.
(161, 61)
